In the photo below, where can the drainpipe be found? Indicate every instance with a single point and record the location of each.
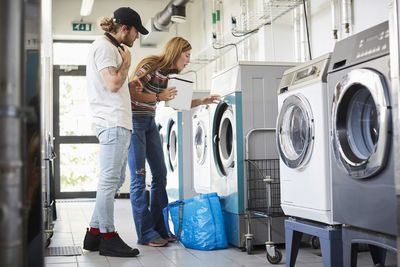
(162, 20)
(11, 117)
(347, 14)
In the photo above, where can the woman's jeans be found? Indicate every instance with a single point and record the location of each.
(146, 144)
(114, 144)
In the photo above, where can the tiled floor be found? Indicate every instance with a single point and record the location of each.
(74, 216)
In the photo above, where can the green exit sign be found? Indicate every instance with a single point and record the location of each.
(81, 27)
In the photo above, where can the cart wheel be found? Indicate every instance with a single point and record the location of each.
(315, 242)
(277, 258)
(249, 245)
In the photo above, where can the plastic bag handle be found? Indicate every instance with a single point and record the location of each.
(166, 216)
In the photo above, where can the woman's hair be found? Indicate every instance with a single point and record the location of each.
(109, 25)
(168, 57)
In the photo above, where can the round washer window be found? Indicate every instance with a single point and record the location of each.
(361, 122)
(200, 145)
(295, 131)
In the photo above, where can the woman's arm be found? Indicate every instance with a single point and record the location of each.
(167, 94)
(210, 99)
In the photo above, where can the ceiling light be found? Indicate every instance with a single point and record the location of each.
(178, 14)
(86, 7)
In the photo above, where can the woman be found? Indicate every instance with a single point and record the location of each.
(153, 73)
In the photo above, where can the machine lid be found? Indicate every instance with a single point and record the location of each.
(200, 142)
(295, 132)
(172, 145)
(361, 122)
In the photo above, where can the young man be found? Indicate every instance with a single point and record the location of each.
(109, 100)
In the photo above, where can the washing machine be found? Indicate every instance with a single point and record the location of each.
(303, 141)
(201, 149)
(176, 134)
(362, 164)
(168, 121)
(249, 101)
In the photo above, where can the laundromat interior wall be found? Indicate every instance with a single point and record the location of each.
(275, 42)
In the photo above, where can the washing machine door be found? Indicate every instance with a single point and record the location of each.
(223, 138)
(295, 131)
(200, 142)
(225, 134)
(361, 122)
(172, 145)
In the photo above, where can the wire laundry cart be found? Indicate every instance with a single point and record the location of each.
(263, 199)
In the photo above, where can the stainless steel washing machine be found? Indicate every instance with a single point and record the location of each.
(362, 164)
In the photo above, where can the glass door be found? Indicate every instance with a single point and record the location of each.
(295, 135)
(76, 146)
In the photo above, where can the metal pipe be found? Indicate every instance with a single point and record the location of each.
(297, 33)
(162, 20)
(335, 18)
(347, 14)
(11, 187)
(303, 35)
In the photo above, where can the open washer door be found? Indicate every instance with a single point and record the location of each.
(223, 138)
(295, 131)
(361, 123)
(172, 145)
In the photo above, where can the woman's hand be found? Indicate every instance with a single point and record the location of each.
(168, 94)
(211, 99)
(135, 86)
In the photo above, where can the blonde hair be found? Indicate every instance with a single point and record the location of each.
(109, 25)
(167, 59)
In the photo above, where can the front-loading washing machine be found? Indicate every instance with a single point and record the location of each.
(303, 141)
(362, 163)
(176, 128)
(249, 101)
(201, 149)
(167, 120)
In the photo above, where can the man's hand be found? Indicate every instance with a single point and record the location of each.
(126, 55)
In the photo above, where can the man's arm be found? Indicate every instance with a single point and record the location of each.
(114, 77)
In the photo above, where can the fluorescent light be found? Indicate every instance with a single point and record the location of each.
(86, 7)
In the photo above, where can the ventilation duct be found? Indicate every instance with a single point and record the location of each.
(159, 25)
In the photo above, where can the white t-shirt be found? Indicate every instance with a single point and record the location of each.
(108, 109)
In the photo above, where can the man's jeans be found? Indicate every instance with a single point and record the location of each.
(146, 144)
(114, 144)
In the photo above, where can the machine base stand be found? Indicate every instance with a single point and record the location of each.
(378, 245)
(330, 240)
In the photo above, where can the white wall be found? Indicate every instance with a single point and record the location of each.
(365, 15)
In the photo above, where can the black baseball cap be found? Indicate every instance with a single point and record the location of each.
(128, 16)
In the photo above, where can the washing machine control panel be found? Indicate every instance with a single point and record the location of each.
(370, 45)
(361, 47)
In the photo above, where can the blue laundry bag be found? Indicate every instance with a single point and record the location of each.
(198, 222)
